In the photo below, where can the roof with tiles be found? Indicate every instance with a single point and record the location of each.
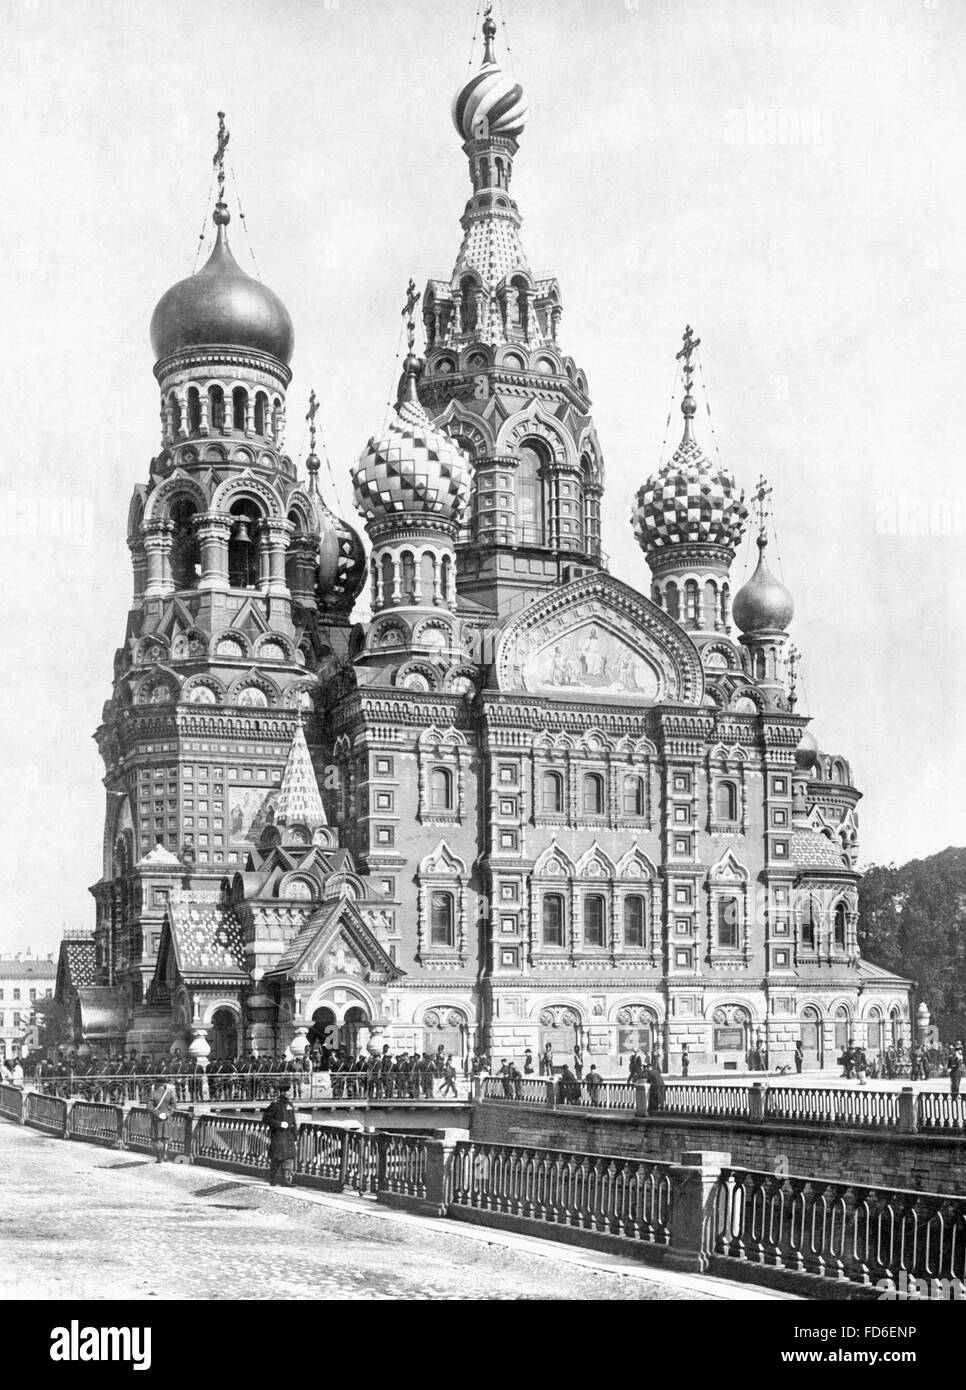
(207, 937)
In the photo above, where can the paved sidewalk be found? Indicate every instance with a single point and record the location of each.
(83, 1222)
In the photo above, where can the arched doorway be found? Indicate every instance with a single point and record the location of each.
(895, 1026)
(224, 1035)
(563, 1030)
(445, 1029)
(812, 1036)
(636, 1031)
(355, 1024)
(324, 1035)
(843, 1029)
(874, 1032)
(731, 1036)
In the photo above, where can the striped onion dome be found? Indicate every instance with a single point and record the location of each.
(411, 469)
(490, 103)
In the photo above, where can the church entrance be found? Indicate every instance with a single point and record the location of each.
(812, 1037)
(561, 1028)
(224, 1035)
(445, 1029)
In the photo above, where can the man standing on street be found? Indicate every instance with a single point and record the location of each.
(955, 1068)
(282, 1123)
(161, 1103)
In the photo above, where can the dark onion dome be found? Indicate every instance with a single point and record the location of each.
(763, 604)
(412, 468)
(221, 306)
(806, 753)
(689, 500)
(342, 562)
(490, 103)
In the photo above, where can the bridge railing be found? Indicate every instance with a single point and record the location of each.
(403, 1162)
(716, 1102)
(46, 1112)
(231, 1142)
(866, 1235)
(12, 1103)
(936, 1110)
(104, 1124)
(831, 1106)
(629, 1197)
(137, 1131)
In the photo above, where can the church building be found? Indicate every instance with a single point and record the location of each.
(523, 803)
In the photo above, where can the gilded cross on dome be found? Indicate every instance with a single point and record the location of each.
(690, 343)
(313, 410)
(412, 299)
(760, 499)
(219, 157)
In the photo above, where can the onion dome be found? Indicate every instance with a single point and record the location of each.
(222, 306)
(342, 556)
(689, 500)
(413, 469)
(490, 103)
(763, 604)
(806, 753)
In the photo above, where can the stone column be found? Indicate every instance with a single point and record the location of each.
(157, 550)
(274, 533)
(693, 1185)
(213, 533)
(303, 550)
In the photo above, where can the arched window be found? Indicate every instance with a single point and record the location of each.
(760, 665)
(552, 793)
(553, 919)
(239, 408)
(261, 405)
(441, 789)
(445, 578)
(634, 796)
(216, 408)
(726, 910)
(709, 617)
(593, 794)
(726, 801)
(838, 772)
(387, 579)
(408, 577)
(691, 601)
(185, 548)
(529, 498)
(175, 408)
(595, 928)
(725, 605)
(468, 304)
(243, 547)
(672, 601)
(634, 920)
(441, 919)
(427, 577)
(839, 926)
(874, 1027)
(194, 410)
(809, 924)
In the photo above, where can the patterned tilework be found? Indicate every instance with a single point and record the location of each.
(810, 850)
(208, 938)
(690, 499)
(299, 800)
(81, 962)
(411, 469)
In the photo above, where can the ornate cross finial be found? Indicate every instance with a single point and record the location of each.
(489, 33)
(760, 498)
(690, 343)
(412, 299)
(219, 157)
(793, 658)
(313, 410)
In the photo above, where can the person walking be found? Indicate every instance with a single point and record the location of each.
(685, 1059)
(449, 1079)
(546, 1061)
(861, 1065)
(506, 1079)
(282, 1123)
(656, 1090)
(799, 1057)
(161, 1103)
(528, 1063)
(568, 1087)
(635, 1069)
(955, 1068)
(594, 1082)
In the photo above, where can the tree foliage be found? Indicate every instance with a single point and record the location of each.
(912, 920)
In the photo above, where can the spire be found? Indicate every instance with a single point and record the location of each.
(299, 800)
(221, 216)
(688, 407)
(489, 33)
(407, 384)
(312, 462)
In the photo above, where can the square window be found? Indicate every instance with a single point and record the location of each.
(385, 835)
(233, 774)
(508, 774)
(779, 786)
(682, 958)
(682, 926)
(508, 806)
(779, 817)
(781, 926)
(682, 893)
(508, 892)
(388, 886)
(508, 925)
(781, 958)
(262, 774)
(508, 957)
(508, 839)
(384, 801)
(781, 896)
(384, 767)
(682, 815)
(682, 844)
(780, 849)
(246, 774)
(682, 782)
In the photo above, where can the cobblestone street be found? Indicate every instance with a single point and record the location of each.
(83, 1222)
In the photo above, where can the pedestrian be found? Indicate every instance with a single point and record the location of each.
(685, 1059)
(594, 1082)
(861, 1064)
(635, 1070)
(516, 1080)
(655, 1090)
(528, 1063)
(429, 1073)
(162, 1103)
(449, 1078)
(282, 1123)
(955, 1069)
(506, 1079)
(848, 1062)
(760, 1056)
(799, 1056)
(546, 1060)
(568, 1087)
(578, 1062)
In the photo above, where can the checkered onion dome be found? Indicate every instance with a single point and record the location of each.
(689, 499)
(412, 469)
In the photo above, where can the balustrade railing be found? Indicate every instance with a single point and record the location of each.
(231, 1140)
(528, 1089)
(361, 1161)
(46, 1112)
(842, 1231)
(936, 1110)
(724, 1102)
(11, 1102)
(321, 1153)
(829, 1106)
(137, 1131)
(628, 1197)
(402, 1164)
(91, 1120)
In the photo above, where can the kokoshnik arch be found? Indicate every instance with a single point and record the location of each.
(524, 803)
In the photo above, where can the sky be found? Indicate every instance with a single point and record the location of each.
(785, 178)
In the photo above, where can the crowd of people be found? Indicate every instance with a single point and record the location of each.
(897, 1061)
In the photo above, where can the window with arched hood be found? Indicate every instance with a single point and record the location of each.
(727, 914)
(468, 314)
(595, 920)
(634, 796)
(185, 547)
(216, 408)
(408, 566)
(174, 406)
(441, 789)
(244, 545)
(427, 577)
(593, 794)
(634, 920)
(726, 801)
(552, 793)
(553, 919)
(388, 578)
(194, 410)
(441, 918)
(672, 601)
(809, 924)
(531, 523)
(239, 408)
(261, 412)
(691, 601)
(760, 670)
(839, 925)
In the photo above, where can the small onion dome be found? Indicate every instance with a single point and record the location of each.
(222, 306)
(807, 751)
(689, 499)
(412, 468)
(763, 604)
(342, 558)
(490, 103)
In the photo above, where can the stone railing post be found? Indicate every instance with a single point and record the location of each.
(439, 1165)
(693, 1183)
(476, 1089)
(640, 1100)
(551, 1094)
(908, 1117)
(756, 1103)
